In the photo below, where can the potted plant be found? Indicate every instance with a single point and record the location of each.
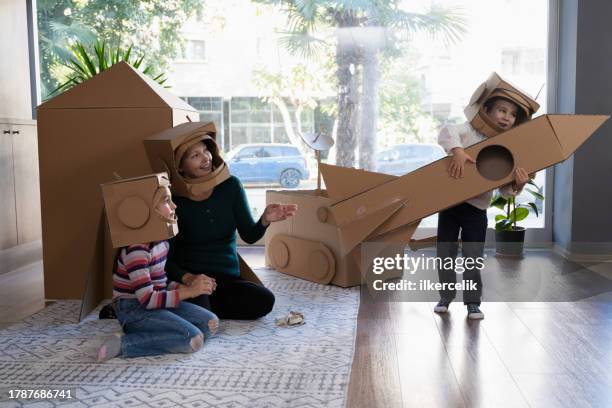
(509, 237)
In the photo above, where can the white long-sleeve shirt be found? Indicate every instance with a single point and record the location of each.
(464, 135)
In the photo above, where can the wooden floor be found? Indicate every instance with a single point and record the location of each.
(553, 354)
(537, 354)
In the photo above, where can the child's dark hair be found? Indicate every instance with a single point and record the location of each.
(520, 113)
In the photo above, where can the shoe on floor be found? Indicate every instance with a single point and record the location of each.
(441, 307)
(474, 311)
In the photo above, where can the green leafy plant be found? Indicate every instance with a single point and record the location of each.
(86, 62)
(514, 212)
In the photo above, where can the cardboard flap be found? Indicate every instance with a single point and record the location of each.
(354, 233)
(401, 235)
(573, 130)
(247, 273)
(345, 182)
(136, 91)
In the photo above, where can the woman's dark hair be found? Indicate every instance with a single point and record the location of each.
(212, 147)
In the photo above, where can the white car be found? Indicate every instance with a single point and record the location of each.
(404, 158)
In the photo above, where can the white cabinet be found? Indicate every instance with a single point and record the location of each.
(19, 183)
(15, 96)
(8, 215)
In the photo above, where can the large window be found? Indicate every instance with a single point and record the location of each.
(382, 84)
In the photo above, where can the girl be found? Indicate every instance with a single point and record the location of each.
(154, 318)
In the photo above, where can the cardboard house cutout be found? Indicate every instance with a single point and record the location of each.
(360, 206)
(85, 136)
(129, 206)
(165, 150)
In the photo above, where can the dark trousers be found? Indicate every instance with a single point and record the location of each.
(471, 223)
(237, 298)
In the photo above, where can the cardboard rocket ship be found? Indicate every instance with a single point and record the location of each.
(360, 206)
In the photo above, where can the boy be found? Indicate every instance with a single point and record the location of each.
(500, 111)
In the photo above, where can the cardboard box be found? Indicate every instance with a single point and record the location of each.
(164, 150)
(534, 145)
(130, 210)
(85, 136)
(308, 245)
(493, 87)
(129, 218)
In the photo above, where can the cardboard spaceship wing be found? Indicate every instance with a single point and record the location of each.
(399, 201)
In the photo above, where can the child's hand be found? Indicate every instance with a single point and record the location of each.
(202, 286)
(458, 162)
(188, 278)
(521, 178)
(207, 280)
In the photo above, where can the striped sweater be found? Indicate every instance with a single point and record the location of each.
(140, 274)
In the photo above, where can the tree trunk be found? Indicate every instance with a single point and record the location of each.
(369, 109)
(347, 59)
(293, 132)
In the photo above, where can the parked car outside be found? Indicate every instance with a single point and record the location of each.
(404, 158)
(268, 163)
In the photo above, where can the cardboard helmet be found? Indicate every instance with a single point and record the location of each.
(166, 149)
(130, 206)
(496, 87)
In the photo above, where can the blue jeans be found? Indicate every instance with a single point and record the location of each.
(150, 332)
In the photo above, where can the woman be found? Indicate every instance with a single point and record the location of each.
(206, 246)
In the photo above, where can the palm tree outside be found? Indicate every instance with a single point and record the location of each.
(366, 31)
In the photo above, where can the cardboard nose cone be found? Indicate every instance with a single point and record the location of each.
(573, 130)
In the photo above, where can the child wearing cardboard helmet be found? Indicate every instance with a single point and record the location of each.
(209, 218)
(487, 94)
(495, 107)
(155, 319)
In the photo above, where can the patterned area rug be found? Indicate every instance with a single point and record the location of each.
(248, 364)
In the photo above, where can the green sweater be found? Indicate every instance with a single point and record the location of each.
(206, 242)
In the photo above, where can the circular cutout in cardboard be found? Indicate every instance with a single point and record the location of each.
(133, 212)
(494, 162)
(318, 264)
(280, 254)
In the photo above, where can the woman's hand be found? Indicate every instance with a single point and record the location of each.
(458, 162)
(521, 178)
(277, 212)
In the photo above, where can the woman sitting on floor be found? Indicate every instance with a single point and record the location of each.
(206, 245)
